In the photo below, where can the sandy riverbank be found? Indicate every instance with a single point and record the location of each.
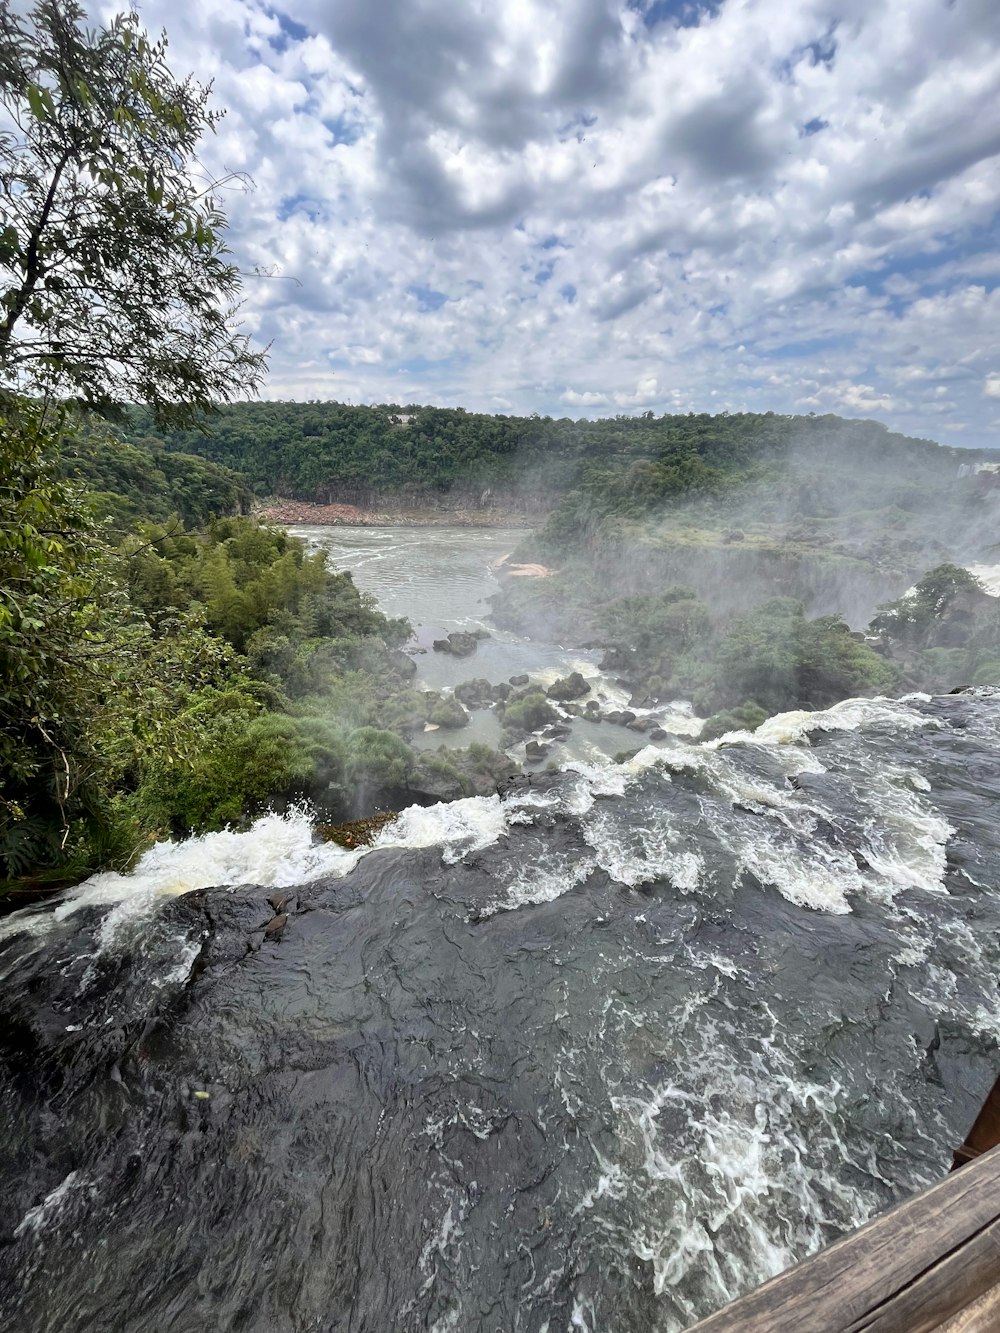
(302, 511)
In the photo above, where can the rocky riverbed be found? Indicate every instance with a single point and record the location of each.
(426, 515)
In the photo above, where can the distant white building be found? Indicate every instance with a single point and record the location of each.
(402, 418)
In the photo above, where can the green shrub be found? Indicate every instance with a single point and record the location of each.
(529, 712)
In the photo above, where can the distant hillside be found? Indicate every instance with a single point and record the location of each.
(331, 452)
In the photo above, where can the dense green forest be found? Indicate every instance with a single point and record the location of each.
(627, 465)
(126, 482)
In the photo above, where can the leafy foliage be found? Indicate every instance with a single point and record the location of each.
(747, 717)
(944, 632)
(127, 483)
(116, 284)
(88, 692)
(913, 618)
(623, 467)
(780, 660)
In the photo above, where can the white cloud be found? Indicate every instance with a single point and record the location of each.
(553, 202)
(991, 385)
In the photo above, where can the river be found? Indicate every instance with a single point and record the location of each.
(442, 579)
(596, 1055)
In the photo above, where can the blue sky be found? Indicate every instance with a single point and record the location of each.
(585, 207)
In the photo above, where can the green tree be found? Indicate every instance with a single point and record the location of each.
(913, 617)
(780, 660)
(115, 288)
(116, 284)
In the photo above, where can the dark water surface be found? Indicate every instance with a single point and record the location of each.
(599, 1055)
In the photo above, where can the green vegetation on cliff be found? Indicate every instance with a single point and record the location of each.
(622, 466)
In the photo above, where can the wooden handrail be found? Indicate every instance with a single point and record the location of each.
(930, 1263)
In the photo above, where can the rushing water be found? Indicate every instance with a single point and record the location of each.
(441, 579)
(595, 1055)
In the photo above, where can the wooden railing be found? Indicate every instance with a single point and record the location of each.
(931, 1263)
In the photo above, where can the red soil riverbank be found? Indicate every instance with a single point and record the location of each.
(303, 511)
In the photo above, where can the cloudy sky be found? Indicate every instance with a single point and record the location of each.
(583, 207)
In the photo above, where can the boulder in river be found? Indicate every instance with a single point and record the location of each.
(621, 717)
(529, 712)
(458, 643)
(519, 680)
(573, 686)
(477, 693)
(616, 658)
(446, 711)
(642, 724)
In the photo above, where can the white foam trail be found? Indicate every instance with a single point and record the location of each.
(459, 827)
(679, 717)
(552, 875)
(37, 1218)
(793, 728)
(730, 1157)
(592, 781)
(988, 576)
(277, 851)
(635, 854)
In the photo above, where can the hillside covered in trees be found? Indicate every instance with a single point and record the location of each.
(842, 514)
(627, 465)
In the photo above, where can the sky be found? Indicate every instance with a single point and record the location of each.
(590, 207)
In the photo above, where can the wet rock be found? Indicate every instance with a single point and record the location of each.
(642, 701)
(520, 680)
(458, 643)
(355, 833)
(616, 658)
(502, 692)
(477, 693)
(592, 709)
(528, 712)
(536, 750)
(658, 734)
(642, 724)
(572, 686)
(403, 664)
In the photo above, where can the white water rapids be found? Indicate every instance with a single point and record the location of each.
(597, 1054)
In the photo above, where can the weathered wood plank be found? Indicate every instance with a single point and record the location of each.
(985, 1133)
(911, 1258)
(983, 1316)
(952, 1283)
